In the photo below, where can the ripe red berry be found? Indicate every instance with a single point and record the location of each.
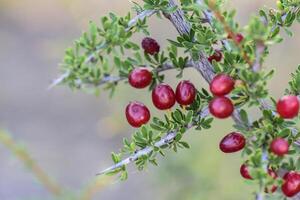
(140, 77)
(239, 37)
(273, 188)
(163, 97)
(137, 114)
(221, 85)
(288, 106)
(221, 107)
(245, 172)
(232, 142)
(291, 185)
(150, 46)
(279, 146)
(217, 56)
(185, 93)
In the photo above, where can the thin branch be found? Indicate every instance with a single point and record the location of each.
(97, 184)
(260, 49)
(228, 30)
(30, 163)
(166, 140)
(141, 16)
(165, 67)
(209, 18)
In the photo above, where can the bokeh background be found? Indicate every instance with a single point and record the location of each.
(71, 134)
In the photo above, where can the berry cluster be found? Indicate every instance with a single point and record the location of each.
(221, 106)
(163, 96)
(287, 108)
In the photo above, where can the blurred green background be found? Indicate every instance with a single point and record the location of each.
(72, 134)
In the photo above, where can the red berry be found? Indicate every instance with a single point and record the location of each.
(279, 146)
(288, 106)
(221, 85)
(232, 142)
(185, 93)
(245, 172)
(221, 107)
(273, 174)
(140, 77)
(239, 37)
(217, 56)
(137, 114)
(163, 97)
(291, 185)
(150, 46)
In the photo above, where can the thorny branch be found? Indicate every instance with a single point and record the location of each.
(166, 140)
(141, 16)
(166, 66)
(204, 67)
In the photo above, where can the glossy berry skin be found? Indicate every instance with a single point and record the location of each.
(137, 114)
(221, 107)
(140, 77)
(279, 146)
(221, 85)
(274, 175)
(150, 46)
(245, 172)
(291, 185)
(163, 97)
(288, 106)
(232, 142)
(217, 56)
(185, 93)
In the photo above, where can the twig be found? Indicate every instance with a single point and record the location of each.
(93, 187)
(166, 66)
(231, 34)
(260, 48)
(167, 139)
(30, 163)
(90, 57)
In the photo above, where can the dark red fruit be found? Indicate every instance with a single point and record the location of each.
(245, 172)
(221, 85)
(221, 107)
(137, 114)
(238, 37)
(150, 46)
(163, 97)
(232, 142)
(273, 188)
(217, 56)
(288, 106)
(185, 93)
(140, 77)
(279, 146)
(291, 185)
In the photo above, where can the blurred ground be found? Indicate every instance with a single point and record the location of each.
(72, 134)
